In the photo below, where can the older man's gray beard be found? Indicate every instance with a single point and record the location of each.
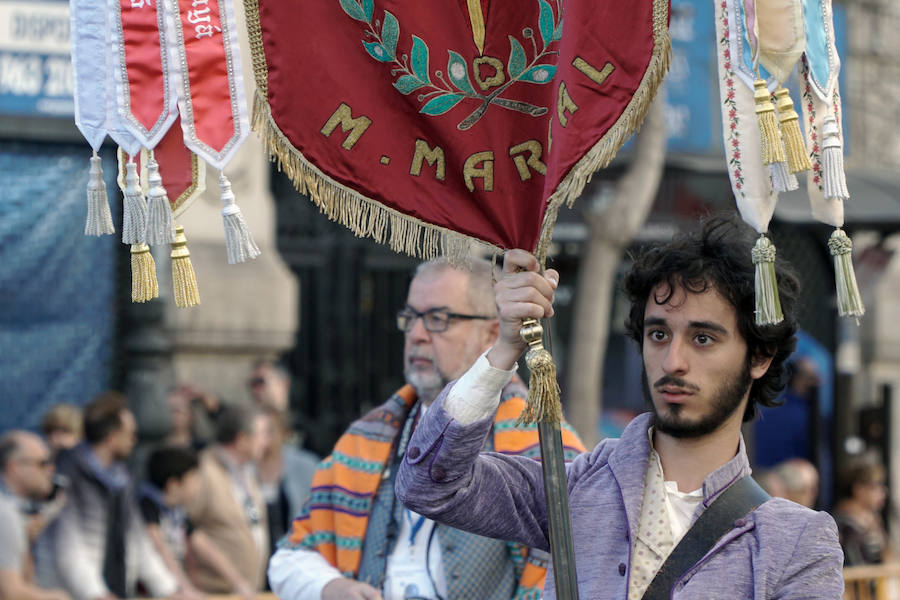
(427, 384)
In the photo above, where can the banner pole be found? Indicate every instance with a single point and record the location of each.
(562, 550)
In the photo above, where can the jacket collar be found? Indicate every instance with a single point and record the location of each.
(628, 464)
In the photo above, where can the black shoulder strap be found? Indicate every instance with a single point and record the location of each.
(739, 499)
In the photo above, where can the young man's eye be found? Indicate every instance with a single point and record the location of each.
(703, 339)
(656, 335)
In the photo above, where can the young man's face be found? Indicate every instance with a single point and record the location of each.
(697, 371)
(433, 359)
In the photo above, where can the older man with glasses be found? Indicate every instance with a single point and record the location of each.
(353, 539)
(26, 476)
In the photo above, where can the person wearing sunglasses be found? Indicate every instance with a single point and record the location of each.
(354, 540)
(26, 476)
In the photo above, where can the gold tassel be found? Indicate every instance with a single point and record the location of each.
(768, 305)
(144, 285)
(184, 282)
(797, 158)
(770, 136)
(543, 404)
(849, 300)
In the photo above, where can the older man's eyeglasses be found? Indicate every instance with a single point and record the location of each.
(435, 320)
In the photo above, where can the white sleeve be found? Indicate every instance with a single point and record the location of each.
(152, 571)
(300, 574)
(79, 564)
(476, 394)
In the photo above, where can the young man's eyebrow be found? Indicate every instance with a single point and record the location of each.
(710, 325)
(655, 322)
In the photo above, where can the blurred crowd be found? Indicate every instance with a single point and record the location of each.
(87, 514)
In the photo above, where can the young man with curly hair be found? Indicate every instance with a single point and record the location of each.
(707, 365)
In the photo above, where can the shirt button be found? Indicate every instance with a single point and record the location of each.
(449, 548)
(413, 453)
(740, 522)
(438, 473)
(622, 569)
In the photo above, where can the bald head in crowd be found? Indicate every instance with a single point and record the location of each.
(25, 465)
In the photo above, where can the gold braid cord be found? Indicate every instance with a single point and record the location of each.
(404, 233)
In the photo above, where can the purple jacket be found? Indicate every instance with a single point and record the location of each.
(780, 550)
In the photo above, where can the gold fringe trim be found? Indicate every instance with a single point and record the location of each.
(406, 234)
(598, 157)
(144, 285)
(361, 215)
(257, 51)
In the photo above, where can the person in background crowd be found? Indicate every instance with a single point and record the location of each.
(228, 509)
(858, 513)
(192, 413)
(270, 385)
(26, 471)
(770, 481)
(62, 427)
(801, 481)
(353, 540)
(172, 480)
(285, 474)
(99, 549)
(786, 431)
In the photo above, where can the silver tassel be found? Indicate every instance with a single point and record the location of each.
(99, 218)
(134, 218)
(782, 178)
(239, 243)
(160, 222)
(833, 162)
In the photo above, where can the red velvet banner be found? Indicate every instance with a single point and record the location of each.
(468, 116)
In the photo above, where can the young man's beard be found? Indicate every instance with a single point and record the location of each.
(725, 400)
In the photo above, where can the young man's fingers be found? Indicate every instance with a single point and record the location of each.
(519, 260)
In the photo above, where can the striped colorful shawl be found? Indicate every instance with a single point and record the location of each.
(334, 520)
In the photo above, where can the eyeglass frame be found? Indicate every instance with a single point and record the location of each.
(413, 315)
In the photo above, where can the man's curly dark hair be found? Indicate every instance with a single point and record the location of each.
(718, 256)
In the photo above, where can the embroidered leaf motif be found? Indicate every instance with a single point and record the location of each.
(557, 35)
(441, 104)
(459, 73)
(516, 58)
(368, 8)
(390, 31)
(377, 51)
(407, 84)
(420, 59)
(353, 9)
(539, 74)
(546, 22)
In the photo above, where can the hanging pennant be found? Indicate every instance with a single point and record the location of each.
(145, 99)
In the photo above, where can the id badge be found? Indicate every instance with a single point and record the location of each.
(408, 582)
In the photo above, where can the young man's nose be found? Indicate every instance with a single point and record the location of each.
(675, 359)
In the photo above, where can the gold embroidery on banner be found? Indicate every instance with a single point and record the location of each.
(431, 156)
(385, 160)
(498, 78)
(534, 148)
(470, 171)
(591, 72)
(477, 19)
(343, 117)
(564, 104)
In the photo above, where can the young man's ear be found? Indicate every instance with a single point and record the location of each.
(759, 364)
